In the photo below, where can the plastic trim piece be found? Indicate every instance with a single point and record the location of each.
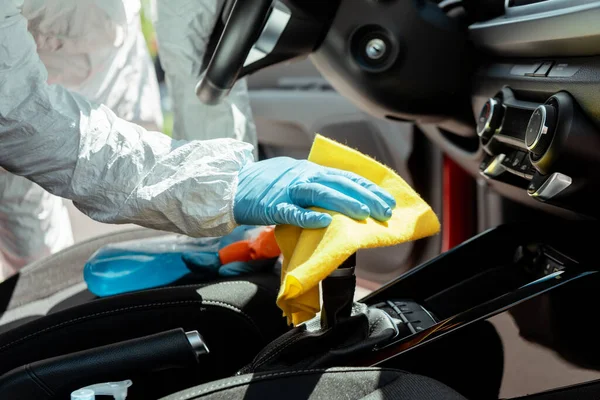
(551, 28)
(495, 168)
(276, 24)
(197, 342)
(457, 214)
(552, 187)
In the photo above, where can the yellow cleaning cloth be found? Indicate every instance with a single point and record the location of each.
(310, 255)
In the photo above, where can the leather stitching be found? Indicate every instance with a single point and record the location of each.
(266, 288)
(41, 384)
(375, 325)
(197, 285)
(141, 306)
(269, 357)
(233, 308)
(211, 302)
(204, 285)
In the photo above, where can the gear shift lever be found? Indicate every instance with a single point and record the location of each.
(343, 330)
(338, 294)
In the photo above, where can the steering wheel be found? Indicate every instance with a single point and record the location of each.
(384, 56)
(243, 28)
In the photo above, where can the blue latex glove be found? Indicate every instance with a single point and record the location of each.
(277, 191)
(208, 265)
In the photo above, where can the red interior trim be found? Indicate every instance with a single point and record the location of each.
(457, 213)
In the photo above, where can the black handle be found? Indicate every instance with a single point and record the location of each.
(56, 377)
(244, 26)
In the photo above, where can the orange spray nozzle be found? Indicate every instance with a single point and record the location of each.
(262, 247)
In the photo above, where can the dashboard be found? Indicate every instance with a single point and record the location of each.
(510, 89)
(537, 123)
(535, 98)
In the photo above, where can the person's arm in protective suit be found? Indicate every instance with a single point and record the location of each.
(183, 31)
(118, 172)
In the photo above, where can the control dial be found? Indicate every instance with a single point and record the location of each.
(540, 130)
(490, 119)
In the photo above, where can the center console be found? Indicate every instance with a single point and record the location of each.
(551, 268)
(495, 272)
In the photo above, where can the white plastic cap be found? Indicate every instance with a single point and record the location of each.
(83, 394)
(118, 390)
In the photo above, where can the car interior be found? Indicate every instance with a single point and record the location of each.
(490, 109)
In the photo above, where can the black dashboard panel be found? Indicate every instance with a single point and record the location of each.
(536, 98)
(530, 86)
(539, 62)
(401, 60)
(557, 102)
(580, 76)
(540, 29)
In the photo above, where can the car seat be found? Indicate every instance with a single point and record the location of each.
(331, 384)
(235, 317)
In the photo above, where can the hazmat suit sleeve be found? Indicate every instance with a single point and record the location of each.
(113, 170)
(183, 30)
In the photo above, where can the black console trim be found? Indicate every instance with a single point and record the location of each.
(479, 313)
(488, 274)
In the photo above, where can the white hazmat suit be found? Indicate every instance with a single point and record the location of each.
(114, 171)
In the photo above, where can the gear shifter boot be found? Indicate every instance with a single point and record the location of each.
(312, 346)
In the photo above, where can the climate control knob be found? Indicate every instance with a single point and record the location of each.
(540, 130)
(490, 119)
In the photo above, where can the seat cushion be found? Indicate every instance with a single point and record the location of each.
(330, 384)
(55, 281)
(236, 319)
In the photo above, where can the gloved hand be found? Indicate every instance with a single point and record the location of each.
(276, 191)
